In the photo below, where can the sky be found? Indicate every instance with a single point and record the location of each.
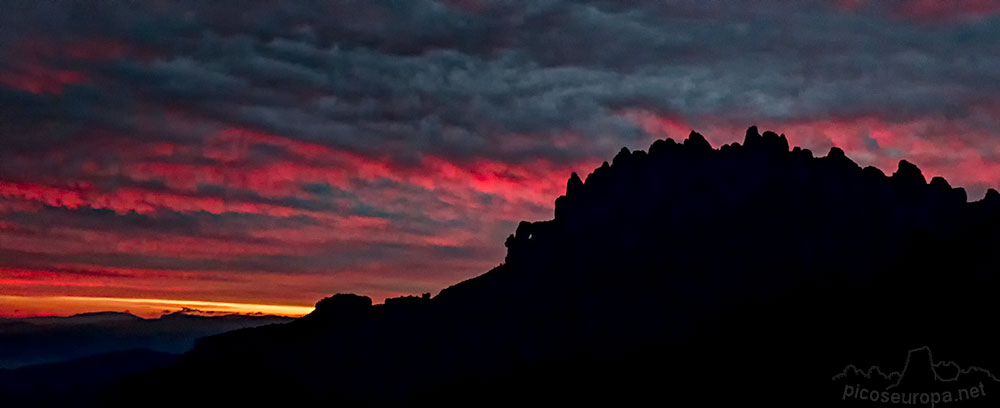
(269, 154)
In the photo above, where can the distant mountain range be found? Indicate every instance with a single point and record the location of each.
(57, 361)
(682, 276)
(43, 340)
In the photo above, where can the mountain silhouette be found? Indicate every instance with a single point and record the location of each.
(685, 275)
(52, 339)
(921, 376)
(919, 370)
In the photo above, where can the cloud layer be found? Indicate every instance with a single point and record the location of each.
(277, 153)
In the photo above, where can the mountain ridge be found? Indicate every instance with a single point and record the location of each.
(684, 256)
(52, 339)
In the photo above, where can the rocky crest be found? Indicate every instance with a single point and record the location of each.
(682, 272)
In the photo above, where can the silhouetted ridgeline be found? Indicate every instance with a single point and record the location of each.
(55, 361)
(683, 276)
(54, 339)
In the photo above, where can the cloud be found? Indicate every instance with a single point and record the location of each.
(376, 139)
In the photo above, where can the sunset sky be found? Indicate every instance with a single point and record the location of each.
(256, 153)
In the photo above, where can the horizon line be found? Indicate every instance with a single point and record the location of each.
(154, 305)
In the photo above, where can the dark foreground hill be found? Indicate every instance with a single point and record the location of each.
(74, 383)
(681, 276)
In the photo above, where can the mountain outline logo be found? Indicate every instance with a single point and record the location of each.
(922, 381)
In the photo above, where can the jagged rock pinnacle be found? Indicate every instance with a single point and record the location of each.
(992, 196)
(908, 174)
(752, 138)
(696, 141)
(771, 140)
(622, 155)
(574, 185)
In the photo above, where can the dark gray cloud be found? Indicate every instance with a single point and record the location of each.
(381, 134)
(415, 77)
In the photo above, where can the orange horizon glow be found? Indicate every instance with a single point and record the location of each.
(30, 306)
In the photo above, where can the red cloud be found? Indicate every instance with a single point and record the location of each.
(126, 200)
(435, 202)
(41, 80)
